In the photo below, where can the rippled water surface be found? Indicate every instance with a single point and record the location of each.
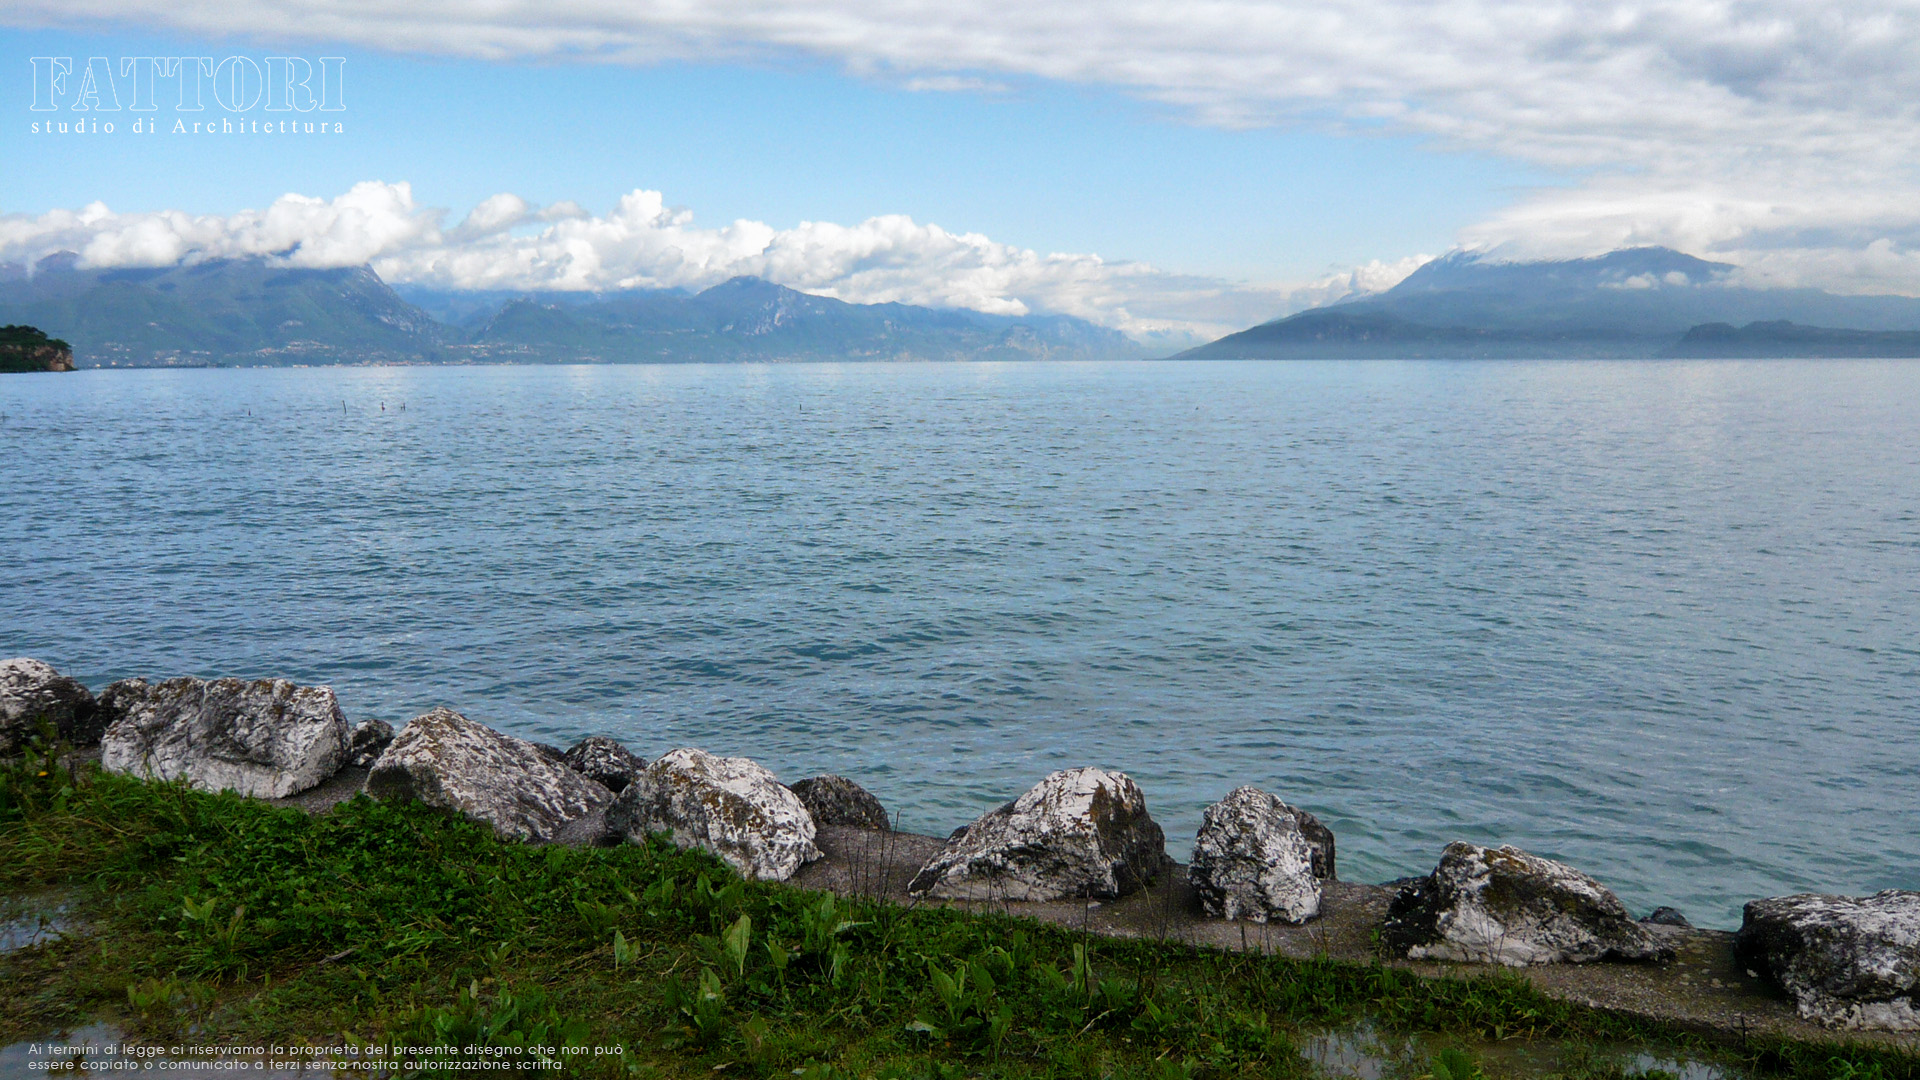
(1658, 619)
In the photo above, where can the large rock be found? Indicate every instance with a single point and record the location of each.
(1252, 860)
(1504, 906)
(32, 692)
(1848, 962)
(836, 800)
(1078, 833)
(266, 738)
(604, 761)
(444, 759)
(731, 807)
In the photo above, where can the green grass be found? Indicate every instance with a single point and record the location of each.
(237, 920)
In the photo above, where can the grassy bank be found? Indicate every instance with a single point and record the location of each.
(242, 921)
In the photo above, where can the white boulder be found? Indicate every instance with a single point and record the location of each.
(1252, 860)
(731, 807)
(444, 759)
(1504, 906)
(266, 738)
(32, 693)
(1078, 833)
(1847, 961)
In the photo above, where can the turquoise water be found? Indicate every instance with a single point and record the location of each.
(1657, 619)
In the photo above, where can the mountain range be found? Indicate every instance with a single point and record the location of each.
(1638, 302)
(250, 311)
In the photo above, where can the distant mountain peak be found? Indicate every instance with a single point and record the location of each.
(1635, 302)
(1627, 268)
(746, 285)
(60, 262)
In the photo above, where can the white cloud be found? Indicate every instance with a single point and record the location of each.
(370, 219)
(954, 84)
(1788, 230)
(507, 243)
(1775, 133)
(1757, 124)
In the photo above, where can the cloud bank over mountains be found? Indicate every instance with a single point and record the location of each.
(1779, 135)
(507, 243)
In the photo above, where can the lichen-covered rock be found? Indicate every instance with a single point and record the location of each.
(444, 759)
(731, 807)
(1252, 860)
(267, 738)
(836, 800)
(605, 762)
(32, 692)
(1847, 961)
(367, 741)
(1078, 833)
(1504, 906)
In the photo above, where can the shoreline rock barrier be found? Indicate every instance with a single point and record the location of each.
(1847, 963)
(444, 759)
(1252, 859)
(367, 741)
(732, 807)
(267, 738)
(1077, 833)
(604, 761)
(32, 693)
(1504, 906)
(836, 800)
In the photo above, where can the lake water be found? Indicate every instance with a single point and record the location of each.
(1661, 620)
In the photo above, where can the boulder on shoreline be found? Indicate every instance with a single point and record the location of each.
(1847, 962)
(1252, 860)
(367, 741)
(1319, 843)
(604, 761)
(836, 800)
(731, 807)
(1078, 833)
(1666, 916)
(32, 693)
(1504, 906)
(443, 759)
(267, 738)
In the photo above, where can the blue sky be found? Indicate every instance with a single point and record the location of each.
(1043, 166)
(1166, 170)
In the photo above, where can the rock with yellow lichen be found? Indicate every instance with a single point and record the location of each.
(1504, 906)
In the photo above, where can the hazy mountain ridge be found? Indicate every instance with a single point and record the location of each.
(1635, 303)
(219, 312)
(752, 319)
(1787, 339)
(247, 311)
